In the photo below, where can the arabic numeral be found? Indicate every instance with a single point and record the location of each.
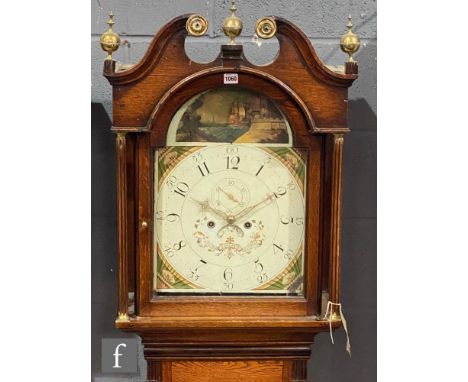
(171, 182)
(277, 248)
(227, 274)
(197, 158)
(232, 150)
(203, 168)
(193, 275)
(289, 254)
(260, 170)
(228, 286)
(182, 188)
(159, 215)
(233, 162)
(169, 251)
(258, 266)
(286, 220)
(178, 187)
(280, 192)
(261, 275)
(171, 218)
(178, 246)
(193, 272)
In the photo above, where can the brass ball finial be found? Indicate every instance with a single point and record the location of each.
(110, 41)
(232, 26)
(350, 41)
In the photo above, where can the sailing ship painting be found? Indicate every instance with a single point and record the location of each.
(231, 116)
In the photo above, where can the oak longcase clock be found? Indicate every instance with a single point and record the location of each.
(229, 189)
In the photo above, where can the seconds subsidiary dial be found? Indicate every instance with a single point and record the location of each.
(229, 219)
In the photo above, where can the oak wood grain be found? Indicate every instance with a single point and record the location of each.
(225, 322)
(246, 371)
(335, 215)
(122, 222)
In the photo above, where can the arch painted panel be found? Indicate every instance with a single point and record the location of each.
(229, 115)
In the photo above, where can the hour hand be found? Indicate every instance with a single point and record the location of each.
(205, 206)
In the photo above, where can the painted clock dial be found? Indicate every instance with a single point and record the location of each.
(229, 218)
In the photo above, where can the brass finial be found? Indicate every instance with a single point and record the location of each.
(110, 40)
(350, 41)
(232, 26)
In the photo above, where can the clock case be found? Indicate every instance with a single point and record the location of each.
(267, 334)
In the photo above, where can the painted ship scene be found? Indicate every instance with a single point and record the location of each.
(232, 116)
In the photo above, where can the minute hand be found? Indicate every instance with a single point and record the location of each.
(248, 210)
